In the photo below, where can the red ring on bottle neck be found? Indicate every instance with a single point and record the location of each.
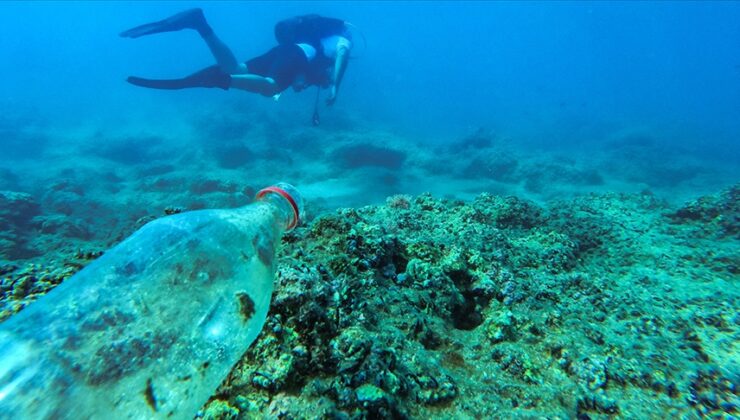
(286, 196)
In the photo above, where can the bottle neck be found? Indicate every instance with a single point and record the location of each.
(284, 215)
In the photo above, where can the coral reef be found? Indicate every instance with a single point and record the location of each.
(358, 155)
(713, 215)
(604, 305)
(17, 211)
(434, 308)
(425, 306)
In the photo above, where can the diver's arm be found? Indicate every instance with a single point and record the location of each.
(340, 65)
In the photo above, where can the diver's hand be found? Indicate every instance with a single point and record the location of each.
(332, 96)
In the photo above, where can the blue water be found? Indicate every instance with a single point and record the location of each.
(544, 101)
(553, 76)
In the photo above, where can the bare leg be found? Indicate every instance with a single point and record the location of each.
(254, 83)
(223, 55)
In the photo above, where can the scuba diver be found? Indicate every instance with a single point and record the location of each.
(311, 50)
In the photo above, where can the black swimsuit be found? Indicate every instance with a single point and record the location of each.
(283, 64)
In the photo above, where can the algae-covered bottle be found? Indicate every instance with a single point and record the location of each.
(152, 327)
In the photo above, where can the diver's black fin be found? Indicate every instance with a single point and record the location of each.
(171, 84)
(192, 18)
(209, 77)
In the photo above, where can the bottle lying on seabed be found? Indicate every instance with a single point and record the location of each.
(152, 327)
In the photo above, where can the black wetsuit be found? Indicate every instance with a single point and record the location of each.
(286, 62)
(311, 29)
(283, 64)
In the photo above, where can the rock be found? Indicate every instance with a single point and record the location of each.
(17, 211)
(370, 395)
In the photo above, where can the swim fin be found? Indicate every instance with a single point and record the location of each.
(192, 19)
(209, 77)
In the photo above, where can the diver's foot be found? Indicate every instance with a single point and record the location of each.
(189, 19)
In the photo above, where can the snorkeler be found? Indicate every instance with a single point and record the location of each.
(311, 50)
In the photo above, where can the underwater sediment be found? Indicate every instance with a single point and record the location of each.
(606, 305)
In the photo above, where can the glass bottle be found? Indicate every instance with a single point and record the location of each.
(153, 326)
